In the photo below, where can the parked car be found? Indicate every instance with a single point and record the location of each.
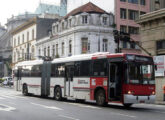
(7, 81)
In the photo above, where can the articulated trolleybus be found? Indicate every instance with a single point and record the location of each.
(103, 77)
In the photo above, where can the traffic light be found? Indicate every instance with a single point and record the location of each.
(124, 36)
(116, 36)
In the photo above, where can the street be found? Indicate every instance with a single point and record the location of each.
(15, 106)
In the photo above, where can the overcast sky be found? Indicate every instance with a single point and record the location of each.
(15, 7)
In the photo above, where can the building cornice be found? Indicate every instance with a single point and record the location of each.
(24, 26)
(151, 16)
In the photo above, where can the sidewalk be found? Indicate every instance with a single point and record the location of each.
(160, 102)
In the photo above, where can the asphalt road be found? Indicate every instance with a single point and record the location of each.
(15, 106)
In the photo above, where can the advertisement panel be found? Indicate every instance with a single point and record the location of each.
(159, 61)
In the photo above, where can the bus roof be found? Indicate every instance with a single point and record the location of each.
(98, 55)
(86, 57)
(28, 63)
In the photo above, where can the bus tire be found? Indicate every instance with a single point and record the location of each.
(25, 90)
(58, 94)
(128, 105)
(100, 98)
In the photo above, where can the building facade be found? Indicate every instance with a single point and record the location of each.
(87, 29)
(5, 41)
(153, 40)
(24, 38)
(156, 4)
(126, 12)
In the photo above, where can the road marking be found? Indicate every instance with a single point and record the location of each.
(123, 115)
(49, 107)
(5, 96)
(6, 108)
(68, 117)
(85, 106)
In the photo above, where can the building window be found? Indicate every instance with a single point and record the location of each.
(18, 40)
(123, 13)
(123, 28)
(57, 28)
(133, 30)
(105, 20)
(70, 47)
(84, 42)
(56, 49)
(32, 52)
(39, 52)
(123, 0)
(160, 44)
(84, 19)
(44, 51)
(23, 38)
(133, 1)
(132, 45)
(23, 54)
(27, 36)
(53, 50)
(105, 45)
(142, 2)
(48, 51)
(124, 44)
(63, 48)
(133, 15)
(33, 34)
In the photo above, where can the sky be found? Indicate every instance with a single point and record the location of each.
(16, 7)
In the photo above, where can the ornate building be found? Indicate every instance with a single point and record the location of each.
(87, 29)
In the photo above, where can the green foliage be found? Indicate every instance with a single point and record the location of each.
(1, 80)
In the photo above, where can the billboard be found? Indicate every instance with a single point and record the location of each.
(159, 61)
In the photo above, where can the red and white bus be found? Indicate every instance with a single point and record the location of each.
(103, 77)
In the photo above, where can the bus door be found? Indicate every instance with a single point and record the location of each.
(115, 80)
(45, 80)
(69, 80)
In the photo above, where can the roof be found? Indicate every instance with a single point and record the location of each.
(89, 8)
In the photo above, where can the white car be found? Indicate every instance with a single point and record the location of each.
(7, 81)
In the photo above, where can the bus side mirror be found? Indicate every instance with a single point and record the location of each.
(155, 67)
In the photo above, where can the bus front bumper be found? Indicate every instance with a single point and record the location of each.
(133, 99)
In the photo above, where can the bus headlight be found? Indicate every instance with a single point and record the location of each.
(130, 92)
(153, 92)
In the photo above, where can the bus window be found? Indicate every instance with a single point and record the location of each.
(59, 70)
(85, 68)
(100, 68)
(77, 69)
(36, 71)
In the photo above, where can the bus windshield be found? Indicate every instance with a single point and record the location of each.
(139, 73)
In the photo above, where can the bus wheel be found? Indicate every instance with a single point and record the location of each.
(25, 90)
(57, 94)
(100, 98)
(127, 105)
